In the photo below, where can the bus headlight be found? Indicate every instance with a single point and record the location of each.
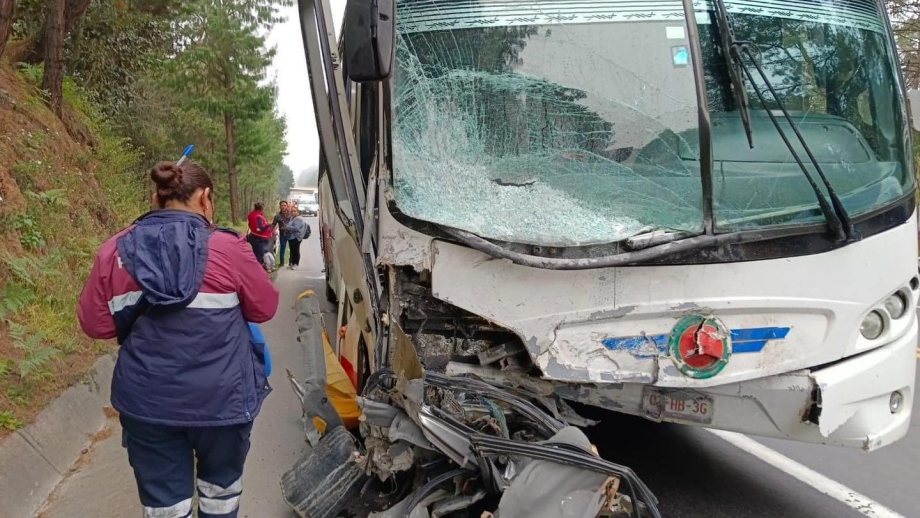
(873, 325)
(896, 305)
(895, 402)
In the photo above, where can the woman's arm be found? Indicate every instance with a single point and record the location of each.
(93, 309)
(262, 224)
(258, 296)
(297, 229)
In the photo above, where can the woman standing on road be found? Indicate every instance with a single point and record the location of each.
(298, 230)
(260, 232)
(177, 293)
(281, 221)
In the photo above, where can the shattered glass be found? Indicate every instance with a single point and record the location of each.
(555, 134)
(548, 123)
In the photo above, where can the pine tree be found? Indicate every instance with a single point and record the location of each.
(223, 64)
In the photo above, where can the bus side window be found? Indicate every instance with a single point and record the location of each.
(367, 128)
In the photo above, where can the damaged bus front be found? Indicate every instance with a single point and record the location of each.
(695, 212)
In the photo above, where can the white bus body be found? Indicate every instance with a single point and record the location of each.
(796, 335)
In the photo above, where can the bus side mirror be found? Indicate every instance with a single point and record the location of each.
(368, 34)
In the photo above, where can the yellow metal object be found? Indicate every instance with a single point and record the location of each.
(341, 392)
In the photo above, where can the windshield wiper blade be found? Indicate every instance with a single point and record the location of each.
(845, 223)
(835, 213)
(654, 237)
(731, 51)
(642, 256)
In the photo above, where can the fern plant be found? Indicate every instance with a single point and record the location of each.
(5, 366)
(13, 298)
(37, 355)
(52, 197)
(29, 234)
(22, 268)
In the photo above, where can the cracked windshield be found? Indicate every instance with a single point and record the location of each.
(546, 124)
(555, 128)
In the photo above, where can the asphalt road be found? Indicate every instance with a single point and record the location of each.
(694, 473)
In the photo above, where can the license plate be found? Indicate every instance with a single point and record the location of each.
(677, 406)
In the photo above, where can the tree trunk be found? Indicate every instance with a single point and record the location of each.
(74, 13)
(34, 51)
(53, 81)
(7, 8)
(231, 169)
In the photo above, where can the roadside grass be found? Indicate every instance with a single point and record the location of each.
(60, 196)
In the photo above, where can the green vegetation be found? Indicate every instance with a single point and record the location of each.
(141, 79)
(8, 421)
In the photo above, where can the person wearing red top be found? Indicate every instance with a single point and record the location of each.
(260, 232)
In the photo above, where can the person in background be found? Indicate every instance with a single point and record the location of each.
(281, 221)
(260, 232)
(179, 295)
(298, 230)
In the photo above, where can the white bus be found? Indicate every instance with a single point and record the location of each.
(694, 212)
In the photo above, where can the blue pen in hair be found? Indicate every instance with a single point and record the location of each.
(186, 153)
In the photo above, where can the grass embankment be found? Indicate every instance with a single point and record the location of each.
(61, 196)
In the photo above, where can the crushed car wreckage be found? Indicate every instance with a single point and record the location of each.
(432, 445)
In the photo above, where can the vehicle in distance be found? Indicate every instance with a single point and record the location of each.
(308, 207)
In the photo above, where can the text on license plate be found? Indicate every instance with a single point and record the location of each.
(678, 406)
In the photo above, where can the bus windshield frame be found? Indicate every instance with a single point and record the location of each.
(512, 128)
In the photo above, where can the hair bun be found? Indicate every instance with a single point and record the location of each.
(168, 178)
(177, 184)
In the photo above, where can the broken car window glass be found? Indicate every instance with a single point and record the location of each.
(545, 123)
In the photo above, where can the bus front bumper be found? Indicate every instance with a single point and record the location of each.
(863, 401)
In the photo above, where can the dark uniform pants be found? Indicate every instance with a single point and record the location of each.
(164, 462)
(260, 246)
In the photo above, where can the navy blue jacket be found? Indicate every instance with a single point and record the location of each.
(178, 294)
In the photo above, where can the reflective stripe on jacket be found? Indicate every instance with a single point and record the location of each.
(178, 295)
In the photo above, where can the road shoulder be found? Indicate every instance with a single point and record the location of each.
(36, 458)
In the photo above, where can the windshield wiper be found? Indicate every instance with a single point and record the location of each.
(731, 52)
(647, 238)
(836, 215)
(635, 257)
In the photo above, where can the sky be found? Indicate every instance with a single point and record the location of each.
(289, 71)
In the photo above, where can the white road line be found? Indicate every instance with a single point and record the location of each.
(831, 488)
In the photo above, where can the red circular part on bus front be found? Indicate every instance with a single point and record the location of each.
(701, 346)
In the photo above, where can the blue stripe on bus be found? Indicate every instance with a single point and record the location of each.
(754, 340)
(760, 333)
(751, 340)
(641, 346)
